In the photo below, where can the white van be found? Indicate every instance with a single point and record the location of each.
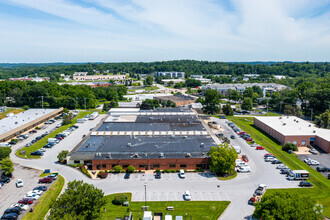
(245, 169)
(4, 144)
(182, 174)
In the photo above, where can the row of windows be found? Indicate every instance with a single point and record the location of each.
(303, 143)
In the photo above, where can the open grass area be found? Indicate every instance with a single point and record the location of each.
(44, 203)
(195, 210)
(39, 144)
(148, 88)
(321, 189)
(10, 110)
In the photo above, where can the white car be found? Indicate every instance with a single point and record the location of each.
(22, 206)
(19, 183)
(37, 192)
(270, 159)
(182, 174)
(281, 166)
(314, 163)
(31, 196)
(187, 195)
(307, 160)
(42, 150)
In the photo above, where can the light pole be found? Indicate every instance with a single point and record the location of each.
(145, 195)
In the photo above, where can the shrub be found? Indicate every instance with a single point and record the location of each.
(117, 169)
(130, 169)
(164, 171)
(173, 171)
(62, 155)
(119, 200)
(140, 171)
(157, 170)
(102, 174)
(289, 146)
(84, 171)
(14, 140)
(37, 128)
(4, 152)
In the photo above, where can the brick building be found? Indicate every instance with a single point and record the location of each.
(291, 129)
(157, 139)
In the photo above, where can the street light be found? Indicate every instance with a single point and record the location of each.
(145, 195)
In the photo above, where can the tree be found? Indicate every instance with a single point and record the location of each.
(62, 155)
(212, 101)
(290, 110)
(130, 169)
(67, 119)
(150, 104)
(233, 95)
(117, 168)
(248, 92)
(4, 152)
(222, 159)
(289, 146)
(247, 104)
(79, 201)
(227, 110)
(286, 205)
(7, 166)
(323, 119)
(148, 81)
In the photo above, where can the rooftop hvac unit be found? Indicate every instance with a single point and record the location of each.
(129, 144)
(284, 124)
(309, 125)
(188, 155)
(202, 145)
(108, 156)
(161, 155)
(145, 154)
(173, 136)
(136, 156)
(185, 137)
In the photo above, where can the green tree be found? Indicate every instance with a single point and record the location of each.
(227, 110)
(247, 104)
(4, 152)
(233, 95)
(323, 119)
(117, 168)
(7, 166)
(212, 102)
(248, 92)
(150, 104)
(286, 205)
(62, 155)
(148, 81)
(67, 119)
(130, 169)
(79, 201)
(222, 159)
(290, 110)
(289, 146)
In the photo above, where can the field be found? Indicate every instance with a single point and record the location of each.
(194, 210)
(321, 190)
(148, 88)
(10, 110)
(39, 144)
(43, 205)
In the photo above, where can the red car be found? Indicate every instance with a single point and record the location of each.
(242, 132)
(245, 158)
(268, 154)
(46, 180)
(26, 201)
(249, 139)
(260, 148)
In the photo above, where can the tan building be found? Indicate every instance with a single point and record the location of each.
(82, 76)
(291, 129)
(179, 100)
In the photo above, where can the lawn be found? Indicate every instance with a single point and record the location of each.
(44, 203)
(148, 88)
(195, 210)
(10, 110)
(39, 144)
(321, 189)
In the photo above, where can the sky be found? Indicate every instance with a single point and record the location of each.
(39, 31)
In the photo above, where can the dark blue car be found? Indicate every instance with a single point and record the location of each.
(9, 216)
(37, 153)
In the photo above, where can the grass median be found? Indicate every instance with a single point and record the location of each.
(195, 210)
(43, 205)
(321, 189)
(39, 144)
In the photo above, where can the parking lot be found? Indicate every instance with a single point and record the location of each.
(323, 159)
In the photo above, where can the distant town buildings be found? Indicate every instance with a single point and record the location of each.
(91, 84)
(223, 88)
(179, 100)
(3, 108)
(201, 78)
(175, 81)
(170, 74)
(35, 79)
(82, 76)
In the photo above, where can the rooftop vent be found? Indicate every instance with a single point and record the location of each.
(188, 155)
(108, 155)
(136, 156)
(314, 131)
(202, 145)
(172, 136)
(185, 137)
(284, 124)
(309, 125)
(129, 144)
(280, 117)
(161, 155)
(145, 154)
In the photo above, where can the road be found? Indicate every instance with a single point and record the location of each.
(170, 187)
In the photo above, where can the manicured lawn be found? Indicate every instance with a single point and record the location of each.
(197, 210)
(39, 144)
(44, 203)
(10, 110)
(148, 88)
(321, 189)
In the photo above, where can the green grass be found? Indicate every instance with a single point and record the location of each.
(39, 144)
(44, 203)
(197, 210)
(321, 190)
(228, 177)
(10, 110)
(148, 88)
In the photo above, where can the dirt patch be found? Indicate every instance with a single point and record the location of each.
(302, 150)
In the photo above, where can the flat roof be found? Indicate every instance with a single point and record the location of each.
(15, 121)
(294, 126)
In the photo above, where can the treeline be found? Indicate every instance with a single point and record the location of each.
(187, 66)
(52, 95)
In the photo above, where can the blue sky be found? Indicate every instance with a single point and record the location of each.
(155, 30)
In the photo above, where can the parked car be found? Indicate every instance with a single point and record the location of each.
(127, 175)
(260, 148)
(42, 150)
(53, 176)
(12, 142)
(269, 155)
(232, 136)
(31, 196)
(47, 146)
(158, 175)
(254, 200)
(276, 162)
(43, 188)
(21, 206)
(249, 139)
(37, 153)
(286, 171)
(28, 144)
(187, 195)
(260, 190)
(245, 158)
(37, 192)
(270, 159)
(19, 183)
(281, 166)
(313, 151)
(5, 179)
(16, 210)
(322, 169)
(9, 216)
(182, 174)
(305, 184)
(46, 180)
(26, 201)
(245, 169)
(33, 131)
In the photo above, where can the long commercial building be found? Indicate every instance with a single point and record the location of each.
(154, 139)
(82, 76)
(291, 129)
(19, 123)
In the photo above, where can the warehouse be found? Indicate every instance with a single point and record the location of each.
(19, 123)
(291, 129)
(156, 139)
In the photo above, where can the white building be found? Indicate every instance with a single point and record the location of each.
(170, 74)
